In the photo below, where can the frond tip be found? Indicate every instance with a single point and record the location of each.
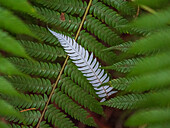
(86, 64)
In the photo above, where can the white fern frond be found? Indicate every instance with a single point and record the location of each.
(86, 64)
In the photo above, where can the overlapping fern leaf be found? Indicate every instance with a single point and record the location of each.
(74, 98)
(87, 65)
(149, 75)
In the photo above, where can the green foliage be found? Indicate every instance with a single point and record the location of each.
(102, 31)
(152, 22)
(28, 84)
(74, 98)
(71, 6)
(90, 43)
(57, 118)
(7, 110)
(72, 71)
(79, 95)
(29, 117)
(125, 102)
(35, 101)
(12, 46)
(122, 6)
(42, 51)
(121, 83)
(69, 22)
(8, 23)
(125, 65)
(70, 107)
(43, 34)
(109, 16)
(44, 69)
(8, 68)
(19, 5)
(121, 47)
(7, 88)
(154, 116)
(158, 41)
(151, 73)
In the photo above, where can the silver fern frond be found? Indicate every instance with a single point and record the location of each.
(86, 64)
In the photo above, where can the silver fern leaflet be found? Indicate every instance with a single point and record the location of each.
(86, 64)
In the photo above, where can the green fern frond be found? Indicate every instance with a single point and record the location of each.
(12, 23)
(125, 102)
(72, 6)
(159, 125)
(152, 22)
(55, 18)
(124, 7)
(72, 71)
(158, 98)
(43, 124)
(121, 47)
(43, 69)
(70, 107)
(29, 117)
(101, 31)
(121, 83)
(7, 88)
(6, 67)
(155, 80)
(152, 64)
(42, 51)
(156, 42)
(57, 118)
(3, 125)
(90, 43)
(8, 110)
(34, 101)
(12, 46)
(109, 16)
(28, 84)
(78, 94)
(149, 117)
(43, 34)
(18, 5)
(125, 65)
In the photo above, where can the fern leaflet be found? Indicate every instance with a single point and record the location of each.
(86, 64)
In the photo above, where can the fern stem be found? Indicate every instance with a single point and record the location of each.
(62, 69)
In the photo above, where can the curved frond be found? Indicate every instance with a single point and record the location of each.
(87, 65)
